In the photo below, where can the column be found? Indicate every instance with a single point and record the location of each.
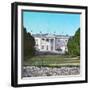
(40, 44)
(54, 44)
(45, 45)
(49, 45)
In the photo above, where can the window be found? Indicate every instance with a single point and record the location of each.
(58, 40)
(36, 44)
(47, 47)
(36, 41)
(66, 40)
(47, 40)
(51, 47)
(42, 47)
(52, 41)
(43, 39)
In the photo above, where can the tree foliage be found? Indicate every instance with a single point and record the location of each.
(74, 44)
(29, 44)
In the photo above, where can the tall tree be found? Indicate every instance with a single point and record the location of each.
(29, 44)
(74, 44)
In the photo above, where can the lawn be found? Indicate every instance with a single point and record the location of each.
(52, 61)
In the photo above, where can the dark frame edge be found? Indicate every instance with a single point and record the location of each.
(86, 42)
(13, 45)
(51, 5)
(52, 83)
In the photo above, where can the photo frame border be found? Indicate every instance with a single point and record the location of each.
(14, 43)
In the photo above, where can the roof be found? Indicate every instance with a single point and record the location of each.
(50, 36)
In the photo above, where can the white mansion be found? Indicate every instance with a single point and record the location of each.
(51, 43)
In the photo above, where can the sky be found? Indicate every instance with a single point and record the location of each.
(52, 23)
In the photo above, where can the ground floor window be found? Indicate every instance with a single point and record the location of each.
(47, 47)
(51, 47)
(42, 47)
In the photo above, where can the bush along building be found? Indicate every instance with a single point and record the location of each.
(51, 43)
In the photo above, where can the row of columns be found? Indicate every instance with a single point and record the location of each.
(51, 44)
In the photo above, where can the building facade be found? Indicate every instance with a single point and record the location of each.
(51, 43)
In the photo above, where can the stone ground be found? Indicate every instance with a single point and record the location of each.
(33, 71)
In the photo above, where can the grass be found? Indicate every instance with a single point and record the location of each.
(53, 61)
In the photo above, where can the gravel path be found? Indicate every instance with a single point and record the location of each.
(32, 71)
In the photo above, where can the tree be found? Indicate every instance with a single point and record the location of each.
(74, 44)
(29, 44)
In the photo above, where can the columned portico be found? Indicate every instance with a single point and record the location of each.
(51, 43)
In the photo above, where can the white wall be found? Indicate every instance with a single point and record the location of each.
(5, 47)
